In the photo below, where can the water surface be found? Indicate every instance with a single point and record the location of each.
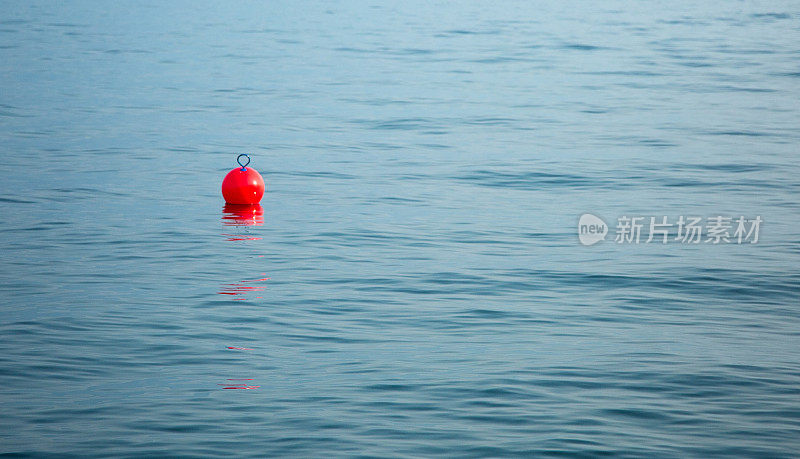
(413, 285)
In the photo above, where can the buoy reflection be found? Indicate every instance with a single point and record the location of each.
(243, 215)
(239, 288)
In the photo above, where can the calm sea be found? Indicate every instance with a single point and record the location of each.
(414, 285)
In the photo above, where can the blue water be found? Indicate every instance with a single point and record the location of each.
(416, 287)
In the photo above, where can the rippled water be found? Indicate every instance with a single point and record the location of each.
(414, 284)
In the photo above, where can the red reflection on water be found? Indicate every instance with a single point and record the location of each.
(233, 237)
(243, 215)
(240, 289)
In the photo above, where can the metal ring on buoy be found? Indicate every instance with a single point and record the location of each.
(239, 160)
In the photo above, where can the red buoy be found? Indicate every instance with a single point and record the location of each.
(243, 185)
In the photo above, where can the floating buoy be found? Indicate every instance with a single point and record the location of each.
(243, 185)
